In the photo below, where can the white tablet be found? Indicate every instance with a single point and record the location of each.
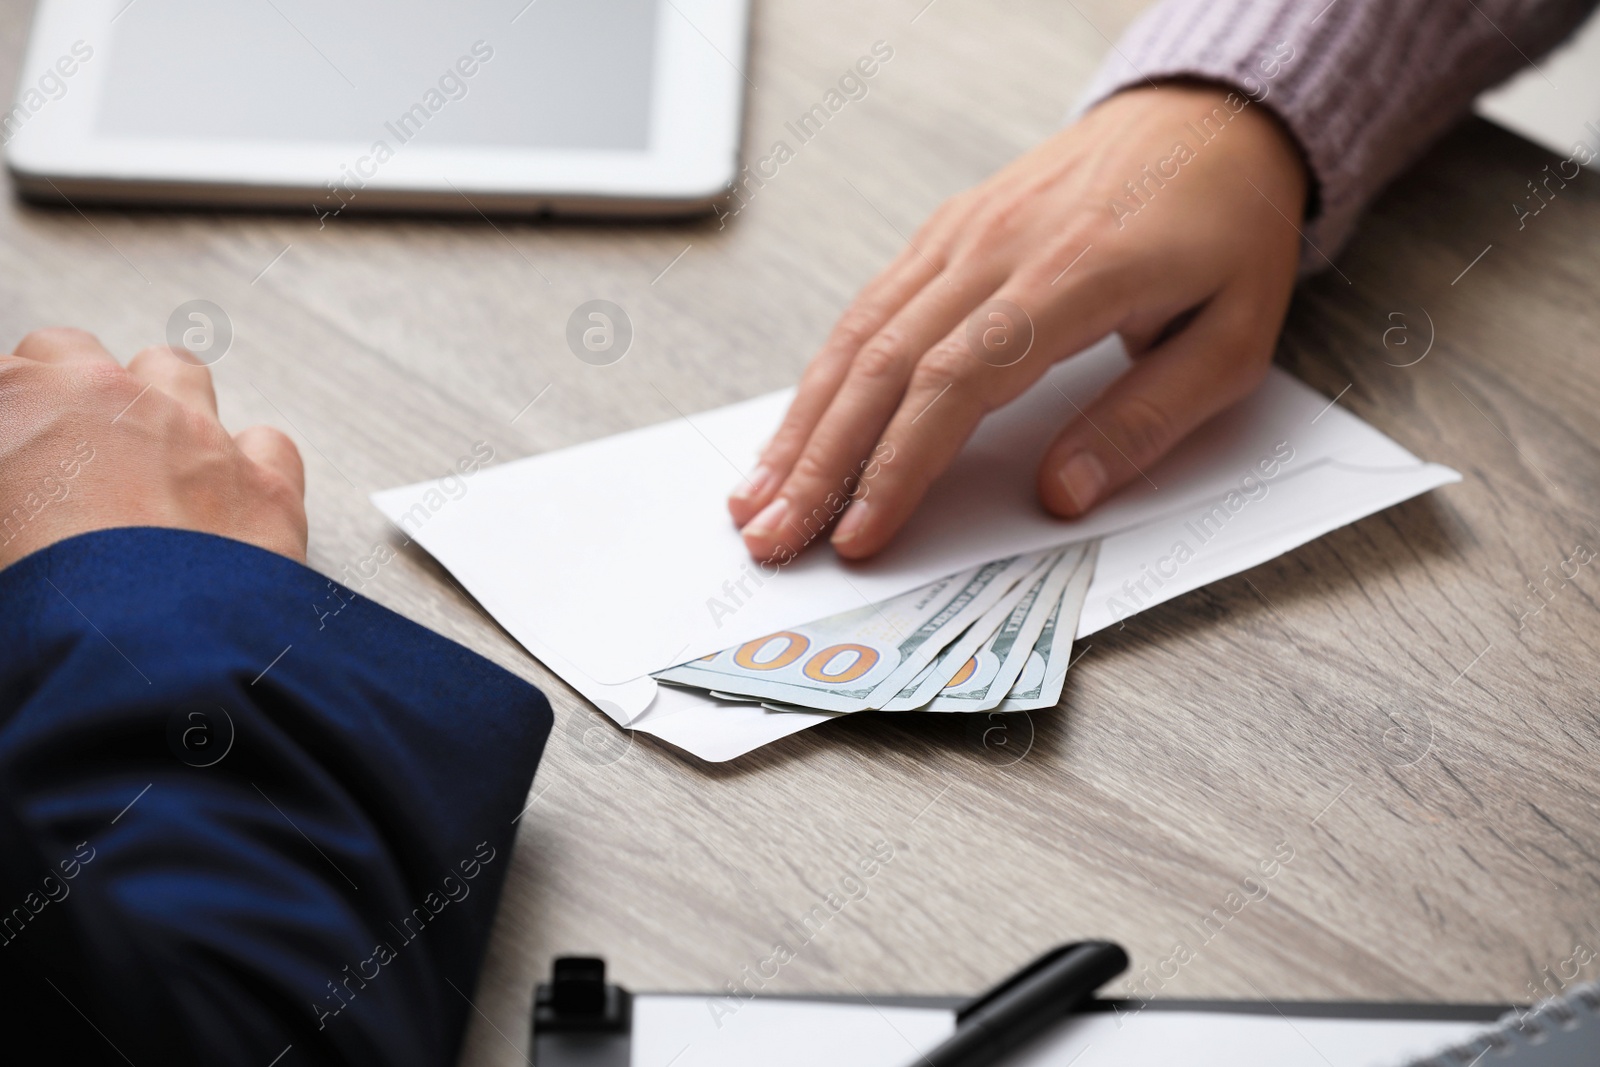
(573, 106)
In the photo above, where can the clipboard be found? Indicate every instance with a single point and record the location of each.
(580, 1020)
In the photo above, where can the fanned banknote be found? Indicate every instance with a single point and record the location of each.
(932, 679)
(993, 637)
(857, 659)
(988, 675)
(1046, 670)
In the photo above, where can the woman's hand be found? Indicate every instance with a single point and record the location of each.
(1168, 215)
(86, 445)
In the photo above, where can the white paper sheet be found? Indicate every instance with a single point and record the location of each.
(604, 559)
(1216, 1039)
(723, 1032)
(687, 1031)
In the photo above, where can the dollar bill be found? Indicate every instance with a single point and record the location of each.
(860, 658)
(937, 675)
(1045, 672)
(987, 677)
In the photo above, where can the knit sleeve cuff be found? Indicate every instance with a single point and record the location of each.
(1363, 87)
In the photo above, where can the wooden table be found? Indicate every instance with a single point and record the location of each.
(1372, 705)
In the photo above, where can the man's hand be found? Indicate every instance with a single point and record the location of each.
(1167, 215)
(86, 445)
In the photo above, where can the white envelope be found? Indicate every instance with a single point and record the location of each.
(613, 559)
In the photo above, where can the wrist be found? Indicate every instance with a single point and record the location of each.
(1201, 113)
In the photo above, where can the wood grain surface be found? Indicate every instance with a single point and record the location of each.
(1374, 706)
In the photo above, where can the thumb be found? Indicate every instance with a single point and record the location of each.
(1215, 361)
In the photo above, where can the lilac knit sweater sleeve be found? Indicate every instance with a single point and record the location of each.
(1364, 85)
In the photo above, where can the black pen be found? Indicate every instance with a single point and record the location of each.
(1021, 1007)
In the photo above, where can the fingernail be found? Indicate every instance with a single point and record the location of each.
(766, 521)
(759, 482)
(855, 517)
(1084, 478)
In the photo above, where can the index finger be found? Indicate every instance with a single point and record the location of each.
(872, 308)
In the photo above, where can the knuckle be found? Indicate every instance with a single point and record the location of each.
(881, 356)
(50, 337)
(159, 354)
(169, 364)
(1070, 254)
(854, 328)
(195, 433)
(265, 434)
(279, 439)
(206, 430)
(990, 223)
(817, 482)
(269, 493)
(284, 445)
(1143, 428)
(999, 219)
(100, 377)
(809, 471)
(278, 492)
(947, 361)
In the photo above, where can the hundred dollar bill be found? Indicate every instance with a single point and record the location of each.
(988, 675)
(1046, 670)
(933, 678)
(857, 659)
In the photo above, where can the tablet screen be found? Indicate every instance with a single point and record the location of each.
(562, 74)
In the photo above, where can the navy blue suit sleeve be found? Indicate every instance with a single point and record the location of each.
(244, 810)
